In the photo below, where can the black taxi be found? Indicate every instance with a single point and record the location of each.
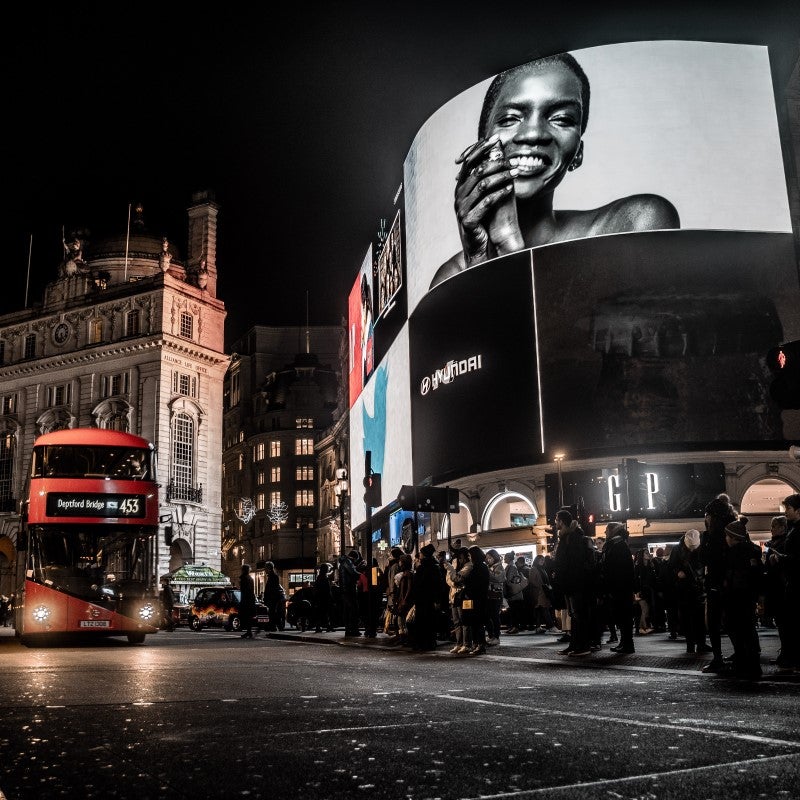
(218, 607)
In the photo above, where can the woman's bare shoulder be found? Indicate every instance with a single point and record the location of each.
(637, 212)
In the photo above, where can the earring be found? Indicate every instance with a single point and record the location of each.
(578, 160)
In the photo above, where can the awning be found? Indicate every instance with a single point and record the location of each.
(197, 575)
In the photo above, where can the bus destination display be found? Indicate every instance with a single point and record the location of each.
(95, 505)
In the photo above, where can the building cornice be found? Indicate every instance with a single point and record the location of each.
(118, 349)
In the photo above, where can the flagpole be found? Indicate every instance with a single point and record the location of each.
(127, 242)
(28, 278)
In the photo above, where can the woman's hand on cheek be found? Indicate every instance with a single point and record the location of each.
(485, 186)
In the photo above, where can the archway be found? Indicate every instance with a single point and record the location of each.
(457, 524)
(509, 510)
(766, 496)
(180, 553)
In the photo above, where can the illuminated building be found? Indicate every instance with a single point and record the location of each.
(129, 336)
(281, 393)
(610, 302)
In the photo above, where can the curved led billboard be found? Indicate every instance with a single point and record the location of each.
(598, 255)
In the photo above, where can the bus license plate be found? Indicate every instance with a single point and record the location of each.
(94, 623)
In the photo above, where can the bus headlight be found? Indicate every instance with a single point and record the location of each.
(41, 613)
(147, 612)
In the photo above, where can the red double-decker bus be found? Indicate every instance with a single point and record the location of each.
(89, 538)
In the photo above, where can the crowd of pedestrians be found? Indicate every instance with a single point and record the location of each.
(713, 587)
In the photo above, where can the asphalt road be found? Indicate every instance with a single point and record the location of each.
(209, 715)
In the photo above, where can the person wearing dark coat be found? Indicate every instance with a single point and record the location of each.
(426, 593)
(167, 603)
(348, 586)
(247, 601)
(476, 589)
(322, 599)
(775, 585)
(740, 589)
(274, 596)
(789, 562)
(718, 513)
(686, 567)
(616, 565)
(574, 574)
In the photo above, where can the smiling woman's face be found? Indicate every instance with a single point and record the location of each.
(538, 115)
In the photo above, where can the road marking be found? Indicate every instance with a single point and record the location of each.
(632, 778)
(364, 728)
(549, 662)
(747, 737)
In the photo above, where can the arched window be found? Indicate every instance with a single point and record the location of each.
(113, 415)
(766, 497)
(55, 419)
(182, 466)
(457, 524)
(508, 510)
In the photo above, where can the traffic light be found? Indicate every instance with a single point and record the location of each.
(372, 484)
(784, 363)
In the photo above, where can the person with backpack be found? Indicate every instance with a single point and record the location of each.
(514, 586)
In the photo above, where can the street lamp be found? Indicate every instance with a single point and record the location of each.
(340, 490)
(558, 458)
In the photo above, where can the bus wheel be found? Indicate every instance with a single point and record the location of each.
(135, 638)
(194, 623)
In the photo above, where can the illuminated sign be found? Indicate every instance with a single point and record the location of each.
(449, 372)
(635, 489)
(615, 496)
(635, 317)
(96, 505)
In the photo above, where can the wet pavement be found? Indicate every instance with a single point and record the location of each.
(195, 715)
(655, 652)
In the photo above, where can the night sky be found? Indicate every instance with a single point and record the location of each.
(297, 115)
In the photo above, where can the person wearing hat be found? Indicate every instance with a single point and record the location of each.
(740, 588)
(426, 591)
(718, 513)
(686, 567)
(618, 582)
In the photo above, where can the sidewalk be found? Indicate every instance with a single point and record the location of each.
(655, 652)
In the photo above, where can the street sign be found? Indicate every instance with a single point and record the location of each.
(428, 498)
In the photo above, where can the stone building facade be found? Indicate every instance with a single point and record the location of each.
(281, 392)
(129, 336)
